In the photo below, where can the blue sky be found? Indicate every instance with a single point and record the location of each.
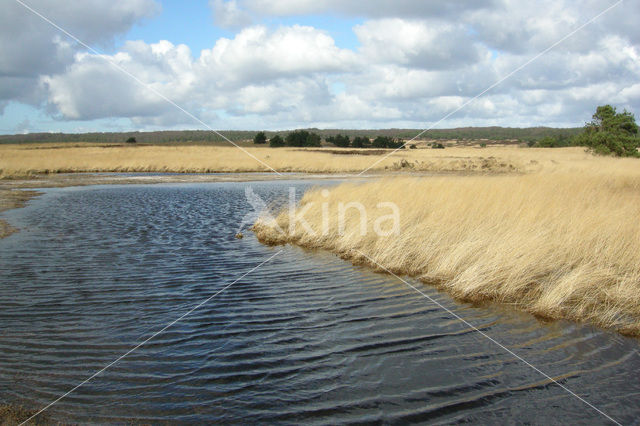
(257, 64)
(192, 23)
(181, 22)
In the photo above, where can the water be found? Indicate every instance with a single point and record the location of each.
(306, 338)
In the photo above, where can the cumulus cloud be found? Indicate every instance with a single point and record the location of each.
(227, 14)
(529, 27)
(93, 88)
(257, 54)
(371, 8)
(256, 72)
(30, 47)
(420, 44)
(415, 63)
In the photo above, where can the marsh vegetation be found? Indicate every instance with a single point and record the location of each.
(562, 242)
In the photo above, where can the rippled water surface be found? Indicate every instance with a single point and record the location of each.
(306, 338)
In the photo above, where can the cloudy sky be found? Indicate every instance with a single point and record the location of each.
(281, 64)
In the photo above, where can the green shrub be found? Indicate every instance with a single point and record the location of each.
(302, 138)
(387, 142)
(276, 141)
(360, 142)
(339, 140)
(260, 138)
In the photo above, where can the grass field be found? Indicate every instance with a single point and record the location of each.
(28, 159)
(559, 242)
(554, 232)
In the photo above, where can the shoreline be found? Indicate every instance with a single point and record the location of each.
(13, 199)
(16, 192)
(560, 246)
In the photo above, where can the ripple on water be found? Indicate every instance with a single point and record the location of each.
(305, 338)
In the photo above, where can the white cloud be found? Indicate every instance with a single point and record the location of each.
(30, 47)
(257, 54)
(416, 62)
(93, 88)
(227, 14)
(420, 44)
(256, 72)
(371, 8)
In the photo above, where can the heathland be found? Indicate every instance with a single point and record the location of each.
(551, 231)
(562, 241)
(30, 159)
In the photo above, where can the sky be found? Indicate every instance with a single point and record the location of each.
(285, 64)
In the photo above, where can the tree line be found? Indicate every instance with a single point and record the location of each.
(608, 133)
(304, 138)
(206, 137)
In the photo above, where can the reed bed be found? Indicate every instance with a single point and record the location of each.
(560, 245)
(23, 160)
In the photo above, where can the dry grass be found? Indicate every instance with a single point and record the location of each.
(552, 231)
(22, 160)
(557, 244)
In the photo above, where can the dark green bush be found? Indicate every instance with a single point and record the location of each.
(260, 138)
(302, 138)
(276, 141)
(553, 142)
(360, 142)
(339, 140)
(387, 142)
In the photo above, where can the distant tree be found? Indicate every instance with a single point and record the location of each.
(611, 133)
(437, 145)
(339, 140)
(607, 120)
(131, 140)
(360, 142)
(413, 146)
(387, 142)
(397, 144)
(381, 142)
(260, 138)
(276, 141)
(553, 142)
(302, 138)
(297, 138)
(314, 139)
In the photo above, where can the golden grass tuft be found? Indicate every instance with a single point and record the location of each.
(23, 160)
(558, 245)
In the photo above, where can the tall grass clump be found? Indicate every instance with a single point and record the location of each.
(558, 245)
